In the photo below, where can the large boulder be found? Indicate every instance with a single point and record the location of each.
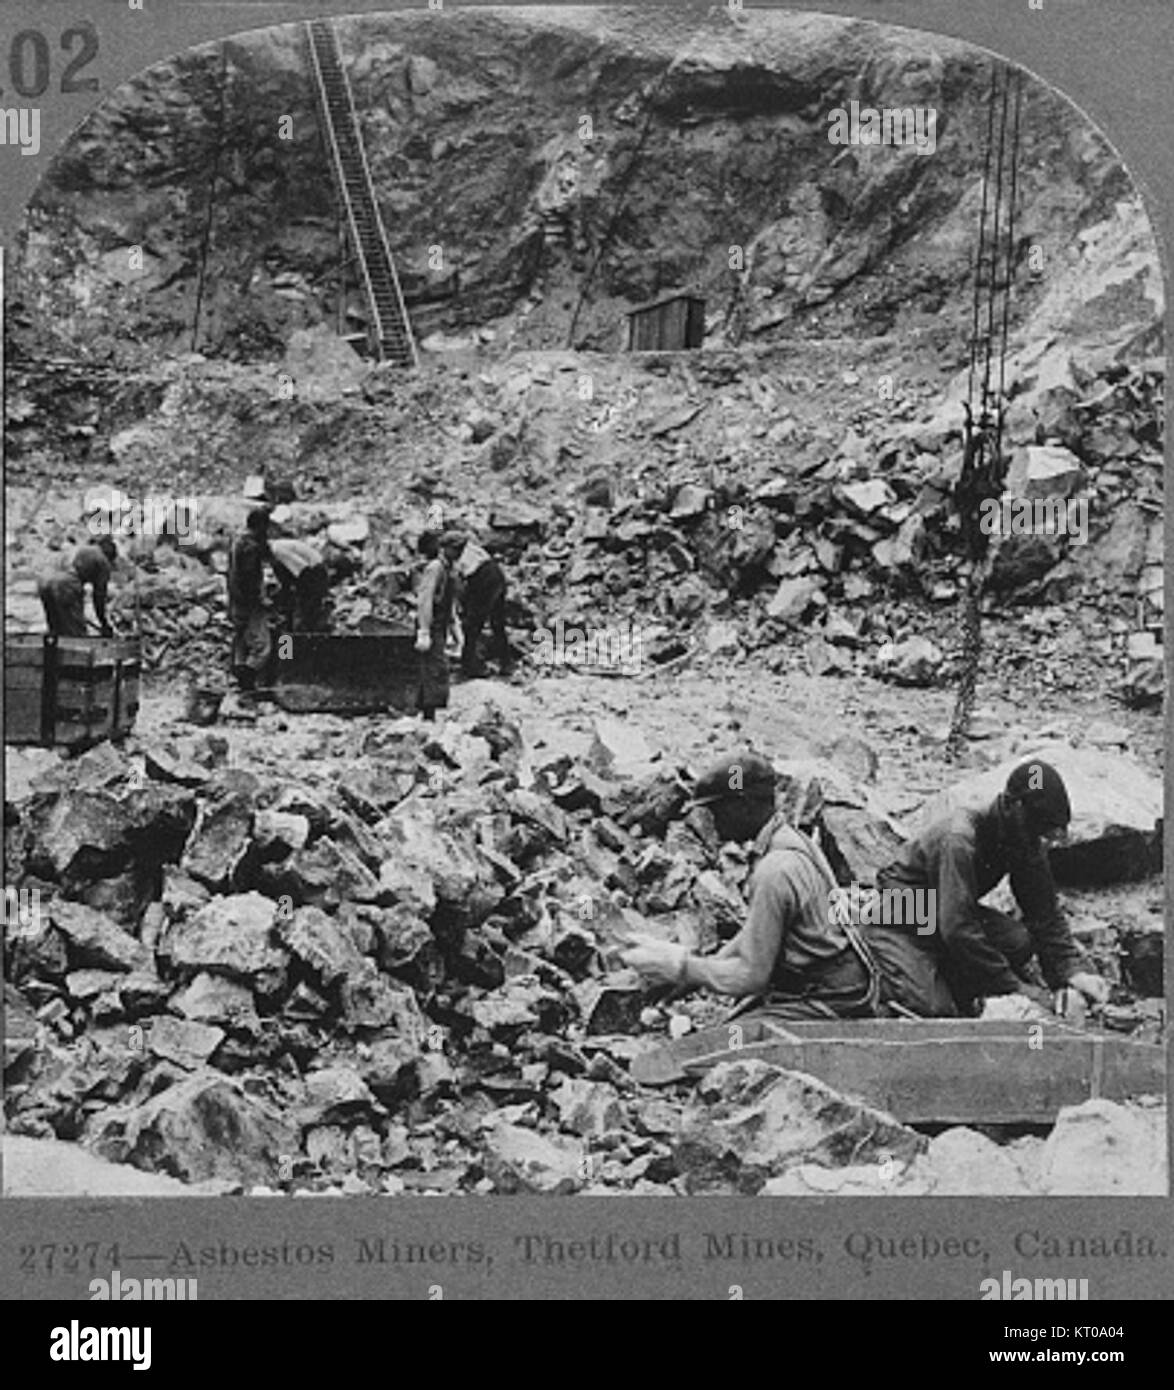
(1115, 833)
(1044, 471)
(77, 837)
(754, 1121)
(232, 937)
(219, 842)
(50, 1168)
(205, 1126)
(320, 942)
(522, 1160)
(1101, 1148)
(94, 940)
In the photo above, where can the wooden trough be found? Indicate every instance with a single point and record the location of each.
(362, 674)
(925, 1071)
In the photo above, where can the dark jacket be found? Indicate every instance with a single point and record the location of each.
(246, 570)
(963, 857)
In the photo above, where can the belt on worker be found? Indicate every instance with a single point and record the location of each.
(813, 982)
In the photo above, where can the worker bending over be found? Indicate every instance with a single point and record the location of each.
(63, 590)
(304, 584)
(480, 595)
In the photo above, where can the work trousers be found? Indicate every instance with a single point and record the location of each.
(837, 989)
(252, 646)
(915, 975)
(63, 599)
(483, 601)
(433, 678)
(304, 602)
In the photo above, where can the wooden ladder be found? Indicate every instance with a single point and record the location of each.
(390, 334)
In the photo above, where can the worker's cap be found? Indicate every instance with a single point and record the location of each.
(738, 775)
(1040, 789)
(428, 544)
(453, 540)
(258, 519)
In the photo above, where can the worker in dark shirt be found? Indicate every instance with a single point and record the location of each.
(252, 641)
(304, 584)
(480, 594)
(794, 958)
(976, 951)
(63, 591)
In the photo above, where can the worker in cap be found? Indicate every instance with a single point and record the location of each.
(63, 591)
(480, 595)
(792, 959)
(976, 952)
(252, 638)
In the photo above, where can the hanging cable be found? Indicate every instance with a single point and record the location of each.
(982, 467)
(1008, 279)
(978, 260)
(213, 175)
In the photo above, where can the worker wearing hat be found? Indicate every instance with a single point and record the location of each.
(480, 596)
(976, 951)
(792, 956)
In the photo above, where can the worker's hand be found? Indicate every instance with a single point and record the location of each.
(1025, 1005)
(423, 642)
(658, 962)
(1094, 987)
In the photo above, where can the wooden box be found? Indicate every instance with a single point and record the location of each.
(69, 691)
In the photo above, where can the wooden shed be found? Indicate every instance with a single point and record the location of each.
(668, 323)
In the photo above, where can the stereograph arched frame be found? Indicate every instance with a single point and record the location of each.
(1110, 60)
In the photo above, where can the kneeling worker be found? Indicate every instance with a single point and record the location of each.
(793, 953)
(304, 584)
(977, 952)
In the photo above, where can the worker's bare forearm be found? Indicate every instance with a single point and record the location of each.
(724, 974)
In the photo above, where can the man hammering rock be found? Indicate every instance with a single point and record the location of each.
(793, 957)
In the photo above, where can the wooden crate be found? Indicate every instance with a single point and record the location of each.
(69, 691)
